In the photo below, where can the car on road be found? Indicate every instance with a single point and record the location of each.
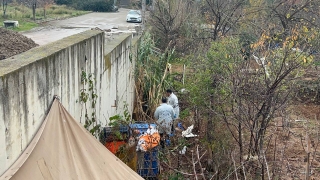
(134, 16)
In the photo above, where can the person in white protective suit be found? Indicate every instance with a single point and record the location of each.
(173, 101)
(164, 115)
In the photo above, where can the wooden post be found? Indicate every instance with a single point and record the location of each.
(184, 73)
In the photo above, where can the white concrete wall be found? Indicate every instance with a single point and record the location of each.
(30, 80)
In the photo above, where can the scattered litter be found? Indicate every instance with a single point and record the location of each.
(183, 151)
(180, 126)
(148, 140)
(184, 91)
(251, 158)
(96, 28)
(168, 142)
(169, 66)
(188, 132)
(152, 130)
(300, 121)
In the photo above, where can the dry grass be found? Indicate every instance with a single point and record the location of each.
(23, 14)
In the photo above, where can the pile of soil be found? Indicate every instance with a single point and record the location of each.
(13, 43)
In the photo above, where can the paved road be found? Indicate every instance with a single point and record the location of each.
(55, 30)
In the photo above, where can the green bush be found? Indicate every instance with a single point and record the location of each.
(97, 6)
(26, 16)
(61, 2)
(61, 11)
(88, 5)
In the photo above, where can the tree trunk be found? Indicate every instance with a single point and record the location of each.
(34, 6)
(262, 170)
(4, 7)
(240, 142)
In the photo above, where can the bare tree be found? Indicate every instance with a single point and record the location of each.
(248, 94)
(169, 19)
(31, 4)
(224, 15)
(45, 4)
(292, 12)
(4, 7)
(34, 4)
(280, 17)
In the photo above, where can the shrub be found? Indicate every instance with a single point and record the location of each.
(61, 2)
(61, 11)
(97, 6)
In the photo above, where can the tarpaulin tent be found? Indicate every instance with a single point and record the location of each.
(63, 150)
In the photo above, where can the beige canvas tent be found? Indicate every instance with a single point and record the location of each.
(63, 150)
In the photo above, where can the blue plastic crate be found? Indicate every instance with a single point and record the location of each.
(109, 135)
(124, 129)
(141, 126)
(149, 166)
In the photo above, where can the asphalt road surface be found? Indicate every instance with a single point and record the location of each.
(55, 30)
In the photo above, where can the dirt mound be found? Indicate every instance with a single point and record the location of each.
(12, 43)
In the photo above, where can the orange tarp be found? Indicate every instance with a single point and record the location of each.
(114, 146)
(150, 141)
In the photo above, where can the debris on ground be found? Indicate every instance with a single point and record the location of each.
(13, 43)
(183, 151)
(148, 140)
(188, 132)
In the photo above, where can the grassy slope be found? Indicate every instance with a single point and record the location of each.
(23, 14)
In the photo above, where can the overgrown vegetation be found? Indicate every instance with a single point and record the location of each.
(119, 121)
(118, 124)
(89, 5)
(151, 76)
(245, 64)
(24, 14)
(88, 99)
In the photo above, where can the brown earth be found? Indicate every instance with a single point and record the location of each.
(289, 143)
(286, 154)
(13, 43)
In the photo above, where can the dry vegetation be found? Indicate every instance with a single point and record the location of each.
(45, 11)
(251, 81)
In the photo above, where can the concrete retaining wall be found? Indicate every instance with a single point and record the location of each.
(30, 80)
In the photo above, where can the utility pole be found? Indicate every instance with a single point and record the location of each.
(143, 14)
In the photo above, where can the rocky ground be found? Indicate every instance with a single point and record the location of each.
(13, 43)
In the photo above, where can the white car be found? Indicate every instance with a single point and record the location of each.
(134, 16)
